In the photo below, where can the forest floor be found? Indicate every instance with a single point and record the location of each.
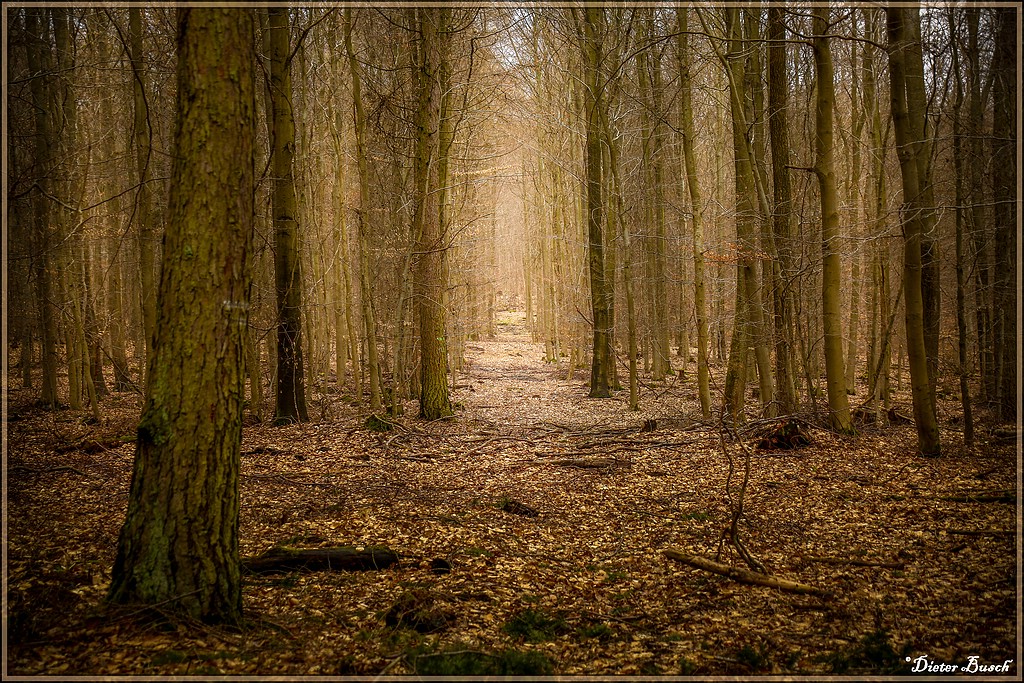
(914, 557)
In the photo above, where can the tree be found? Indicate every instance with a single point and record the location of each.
(696, 212)
(429, 223)
(179, 543)
(1006, 343)
(782, 211)
(362, 229)
(291, 391)
(749, 326)
(143, 134)
(599, 291)
(36, 25)
(907, 104)
(824, 169)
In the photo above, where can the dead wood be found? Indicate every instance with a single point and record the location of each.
(44, 470)
(338, 558)
(785, 435)
(985, 497)
(421, 610)
(899, 418)
(744, 575)
(1002, 434)
(981, 532)
(516, 508)
(855, 562)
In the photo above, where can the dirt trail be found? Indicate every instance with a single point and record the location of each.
(508, 381)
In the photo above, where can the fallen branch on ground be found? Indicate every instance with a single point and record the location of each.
(986, 497)
(42, 470)
(981, 532)
(744, 575)
(340, 558)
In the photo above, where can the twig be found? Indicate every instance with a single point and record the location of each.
(59, 468)
(744, 575)
(981, 532)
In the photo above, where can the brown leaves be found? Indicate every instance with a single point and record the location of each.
(592, 558)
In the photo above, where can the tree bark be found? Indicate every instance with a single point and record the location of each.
(905, 106)
(1004, 194)
(599, 291)
(960, 201)
(824, 169)
(429, 226)
(145, 233)
(291, 391)
(696, 213)
(369, 314)
(179, 544)
(782, 213)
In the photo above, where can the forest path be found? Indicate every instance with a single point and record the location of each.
(507, 381)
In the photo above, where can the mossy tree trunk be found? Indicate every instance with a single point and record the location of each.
(179, 544)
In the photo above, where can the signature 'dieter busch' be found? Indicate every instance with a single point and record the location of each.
(974, 665)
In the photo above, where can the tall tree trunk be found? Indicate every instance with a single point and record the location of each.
(906, 105)
(429, 227)
(749, 315)
(369, 315)
(697, 213)
(178, 547)
(649, 79)
(291, 392)
(977, 226)
(612, 144)
(1005, 92)
(824, 169)
(599, 290)
(36, 23)
(960, 201)
(146, 235)
(782, 213)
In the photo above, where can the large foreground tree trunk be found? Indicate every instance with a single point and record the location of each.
(179, 543)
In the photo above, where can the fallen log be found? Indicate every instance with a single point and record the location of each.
(338, 558)
(744, 575)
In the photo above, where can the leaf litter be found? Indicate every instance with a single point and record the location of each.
(914, 565)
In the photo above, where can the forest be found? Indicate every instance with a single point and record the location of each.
(511, 339)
